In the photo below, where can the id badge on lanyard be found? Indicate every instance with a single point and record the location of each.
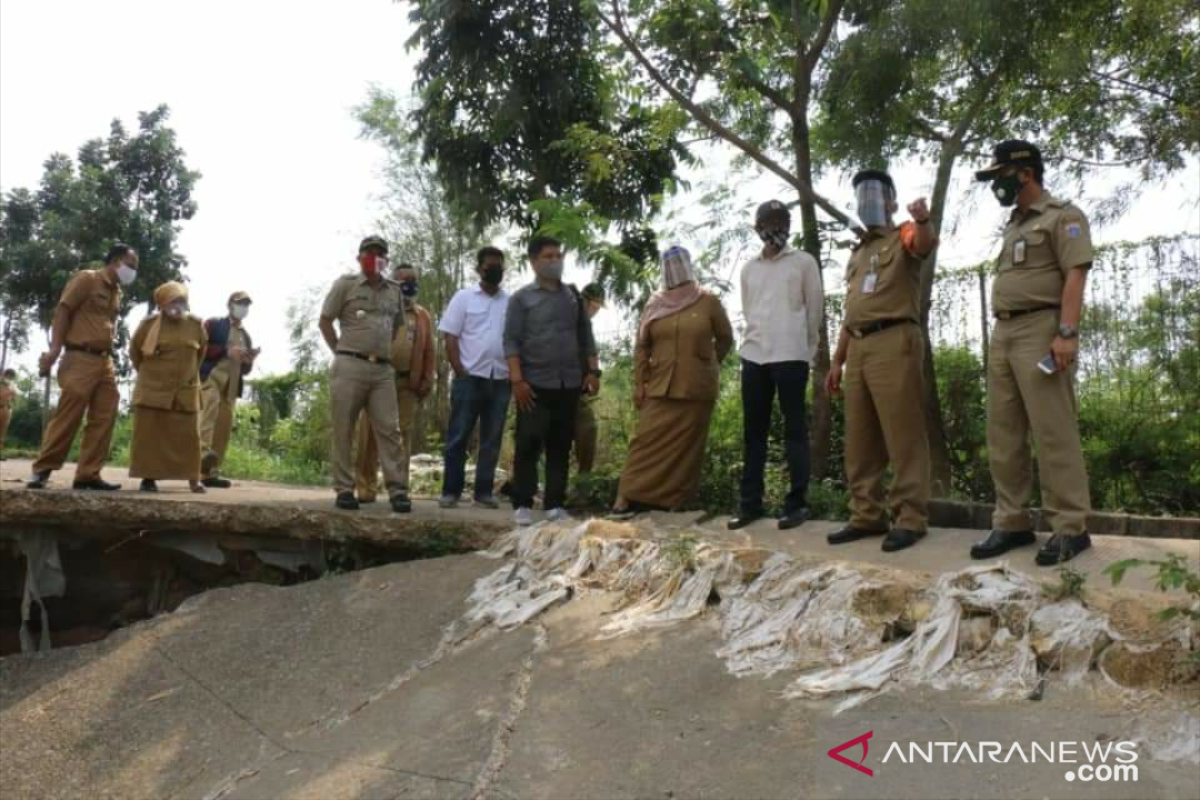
(1019, 251)
(872, 276)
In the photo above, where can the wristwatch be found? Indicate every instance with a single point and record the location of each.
(1067, 332)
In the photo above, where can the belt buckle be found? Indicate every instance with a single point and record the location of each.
(1004, 315)
(373, 359)
(857, 333)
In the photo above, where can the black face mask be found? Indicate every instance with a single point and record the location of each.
(493, 274)
(1006, 188)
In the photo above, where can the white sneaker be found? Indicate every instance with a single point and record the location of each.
(523, 517)
(448, 501)
(558, 515)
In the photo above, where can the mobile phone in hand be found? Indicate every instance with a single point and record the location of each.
(1047, 364)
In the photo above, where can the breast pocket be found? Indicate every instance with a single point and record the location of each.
(104, 303)
(1038, 252)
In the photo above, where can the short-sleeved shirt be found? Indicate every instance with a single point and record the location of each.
(1040, 249)
(895, 291)
(476, 319)
(93, 301)
(367, 316)
(544, 329)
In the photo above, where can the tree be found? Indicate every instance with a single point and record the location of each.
(742, 72)
(135, 189)
(990, 70)
(424, 224)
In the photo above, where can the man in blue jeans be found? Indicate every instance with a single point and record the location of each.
(783, 304)
(473, 326)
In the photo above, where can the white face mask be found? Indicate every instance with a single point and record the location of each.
(126, 274)
(175, 310)
(239, 312)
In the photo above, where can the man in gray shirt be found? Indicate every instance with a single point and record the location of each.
(552, 358)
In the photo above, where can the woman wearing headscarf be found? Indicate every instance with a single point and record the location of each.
(166, 350)
(683, 336)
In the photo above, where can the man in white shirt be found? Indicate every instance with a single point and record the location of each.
(783, 305)
(473, 326)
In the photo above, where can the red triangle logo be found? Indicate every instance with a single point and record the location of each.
(835, 753)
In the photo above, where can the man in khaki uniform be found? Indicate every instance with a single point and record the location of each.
(368, 310)
(586, 429)
(1037, 299)
(228, 358)
(883, 352)
(413, 360)
(8, 395)
(84, 325)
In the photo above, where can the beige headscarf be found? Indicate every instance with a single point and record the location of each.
(164, 295)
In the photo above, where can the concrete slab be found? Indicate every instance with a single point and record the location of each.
(948, 550)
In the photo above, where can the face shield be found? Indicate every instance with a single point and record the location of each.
(875, 199)
(677, 267)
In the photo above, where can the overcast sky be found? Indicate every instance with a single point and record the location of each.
(261, 95)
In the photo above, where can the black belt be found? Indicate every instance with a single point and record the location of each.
(1020, 312)
(81, 348)
(372, 359)
(876, 327)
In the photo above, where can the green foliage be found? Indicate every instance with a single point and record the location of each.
(133, 188)
(1069, 585)
(960, 386)
(1174, 574)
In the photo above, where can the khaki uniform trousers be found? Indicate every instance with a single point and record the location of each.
(89, 386)
(1022, 400)
(5, 418)
(366, 480)
(218, 402)
(586, 433)
(356, 385)
(883, 386)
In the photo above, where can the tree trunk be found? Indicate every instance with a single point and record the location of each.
(822, 412)
(938, 452)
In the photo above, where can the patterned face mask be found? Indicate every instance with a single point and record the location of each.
(777, 237)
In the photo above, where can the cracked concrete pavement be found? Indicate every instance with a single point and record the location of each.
(351, 687)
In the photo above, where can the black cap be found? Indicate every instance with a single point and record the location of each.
(593, 291)
(873, 175)
(373, 241)
(1014, 152)
(772, 208)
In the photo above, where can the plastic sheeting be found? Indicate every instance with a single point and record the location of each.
(44, 577)
(849, 634)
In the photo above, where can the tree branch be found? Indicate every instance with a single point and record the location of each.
(813, 54)
(616, 24)
(771, 93)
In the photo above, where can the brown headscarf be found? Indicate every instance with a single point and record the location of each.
(164, 295)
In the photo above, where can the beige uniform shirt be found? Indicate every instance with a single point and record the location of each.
(883, 279)
(367, 317)
(1040, 248)
(93, 301)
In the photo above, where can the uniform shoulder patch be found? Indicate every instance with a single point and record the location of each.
(1074, 229)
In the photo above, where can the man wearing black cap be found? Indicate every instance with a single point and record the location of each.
(883, 352)
(368, 308)
(1037, 299)
(783, 305)
(229, 357)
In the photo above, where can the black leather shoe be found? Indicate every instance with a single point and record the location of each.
(899, 539)
(148, 486)
(1059, 549)
(401, 504)
(216, 483)
(1000, 542)
(209, 462)
(743, 519)
(346, 501)
(794, 519)
(95, 485)
(40, 480)
(851, 534)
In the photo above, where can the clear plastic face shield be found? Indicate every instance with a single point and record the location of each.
(875, 200)
(677, 267)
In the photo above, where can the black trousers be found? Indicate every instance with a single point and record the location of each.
(760, 383)
(550, 426)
